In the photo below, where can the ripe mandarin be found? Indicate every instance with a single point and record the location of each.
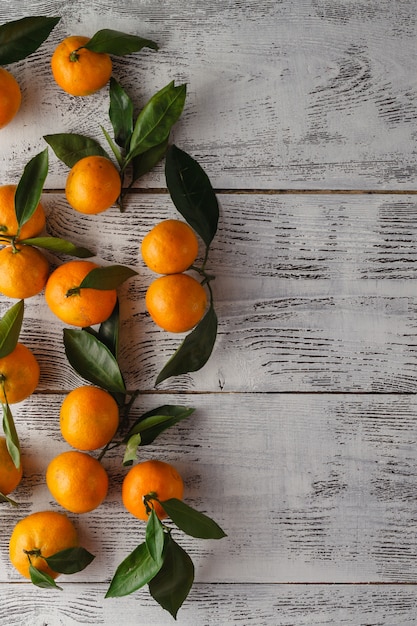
(24, 271)
(10, 97)
(8, 222)
(19, 374)
(10, 475)
(93, 185)
(170, 247)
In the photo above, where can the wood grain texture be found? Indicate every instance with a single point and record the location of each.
(311, 94)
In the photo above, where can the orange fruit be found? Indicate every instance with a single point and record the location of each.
(77, 481)
(8, 221)
(19, 374)
(46, 533)
(93, 185)
(10, 475)
(89, 418)
(79, 307)
(24, 271)
(170, 247)
(10, 97)
(176, 302)
(150, 477)
(78, 71)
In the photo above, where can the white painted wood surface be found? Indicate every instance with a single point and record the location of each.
(303, 444)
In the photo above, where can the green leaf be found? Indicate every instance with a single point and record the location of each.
(156, 119)
(92, 360)
(190, 521)
(42, 579)
(12, 440)
(192, 193)
(155, 537)
(154, 422)
(70, 561)
(172, 584)
(71, 147)
(4, 498)
(134, 572)
(29, 189)
(56, 244)
(20, 38)
(131, 449)
(194, 351)
(10, 325)
(121, 114)
(109, 277)
(115, 42)
(146, 161)
(108, 332)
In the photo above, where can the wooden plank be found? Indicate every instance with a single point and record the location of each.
(280, 95)
(296, 605)
(308, 488)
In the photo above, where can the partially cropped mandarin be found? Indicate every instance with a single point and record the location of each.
(77, 481)
(20, 372)
(74, 305)
(93, 185)
(89, 418)
(176, 302)
(24, 271)
(151, 478)
(45, 532)
(77, 70)
(10, 97)
(8, 222)
(170, 247)
(10, 475)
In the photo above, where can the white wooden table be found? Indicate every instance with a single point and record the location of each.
(303, 444)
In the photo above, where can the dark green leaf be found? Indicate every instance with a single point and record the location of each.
(192, 193)
(12, 440)
(92, 360)
(108, 332)
(70, 147)
(109, 277)
(194, 351)
(133, 573)
(131, 450)
(20, 38)
(156, 119)
(56, 244)
(190, 521)
(121, 114)
(154, 422)
(120, 44)
(172, 584)
(10, 325)
(155, 537)
(4, 498)
(42, 579)
(70, 561)
(146, 161)
(29, 188)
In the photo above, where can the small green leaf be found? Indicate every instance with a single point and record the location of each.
(92, 360)
(10, 325)
(172, 584)
(29, 189)
(71, 147)
(155, 537)
(108, 332)
(194, 351)
(42, 579)
(146, 161)
(109, 277)
(192, 193)
(20, 38)
(156, 119)
(134, 572)
(12, 440)
(117, 43)
(154, 422)
(121, 114)
(70, 561)
(4, 498)
(56, 244)
(131, 450)
(190, 521)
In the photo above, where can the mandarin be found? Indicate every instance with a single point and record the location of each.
(10, 97)
(10, 475)
(77, 70)
(8, 222)
(150, 478)
(170, 247)
(43, 533)
(19, 375)
(93, 185)
(24, 271)
(79, 307)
